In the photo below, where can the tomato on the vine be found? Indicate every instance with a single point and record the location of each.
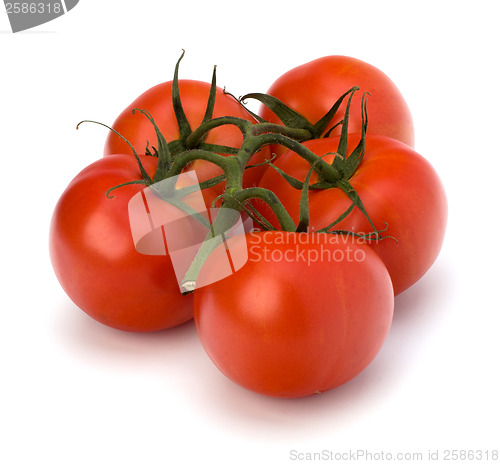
(306, 313)
(194, 95)
(400, 191)
(95, 259)
(312, 88)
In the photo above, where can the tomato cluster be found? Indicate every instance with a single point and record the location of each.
(285, 233)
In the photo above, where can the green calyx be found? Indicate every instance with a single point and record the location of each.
(187, 140)
(334, 175)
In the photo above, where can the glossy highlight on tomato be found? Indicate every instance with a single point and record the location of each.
(306, 313)
(312, 88)
(95, 259)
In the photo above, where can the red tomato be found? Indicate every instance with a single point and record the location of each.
(138, 130)
(397, 186)
(94, 255)
(306, 313)
(312, 88)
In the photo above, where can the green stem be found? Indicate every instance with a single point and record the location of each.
(247, 128)
(291, 132)
(197, 136)
(226, 218)
(251, 145)
(229, 164)
(269, 197)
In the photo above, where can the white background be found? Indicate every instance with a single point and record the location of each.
(73, 391)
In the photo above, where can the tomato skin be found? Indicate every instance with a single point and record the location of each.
(194, 95)
(286, 328)
(398, 188)
(313, 88)
(94, 257)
